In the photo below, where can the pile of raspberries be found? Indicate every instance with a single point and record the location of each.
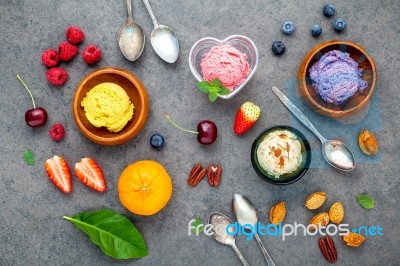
(57, 75)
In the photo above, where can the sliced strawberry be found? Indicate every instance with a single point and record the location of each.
(89, 172)
(58, 171)
(246, 116)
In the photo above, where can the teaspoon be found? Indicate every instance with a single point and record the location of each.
(335, 152)
(163, 39)
(131, 37)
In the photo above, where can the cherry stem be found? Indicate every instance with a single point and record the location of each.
(26, 87)
(181, 128)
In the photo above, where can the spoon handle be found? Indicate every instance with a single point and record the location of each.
(265, 252)
(153, 18)
(245, 263)
(297, 113)
(129, 7)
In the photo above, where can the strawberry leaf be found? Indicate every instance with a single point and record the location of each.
(29, 157)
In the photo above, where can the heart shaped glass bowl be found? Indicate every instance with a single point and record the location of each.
(284, 179)
(136, 92)
(203, 46)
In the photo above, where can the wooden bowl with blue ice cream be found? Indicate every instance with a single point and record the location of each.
(337, 78)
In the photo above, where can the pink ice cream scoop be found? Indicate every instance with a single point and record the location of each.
(226, 63)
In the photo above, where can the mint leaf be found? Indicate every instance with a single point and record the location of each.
(216, 83)
(198, 226)
(203, 86)
(224, 91)
(29, 157)
(213, 96)
(365, 201)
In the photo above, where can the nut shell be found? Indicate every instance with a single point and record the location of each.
(353, 239)
(336, 213)
(321, 219)
(277, 213)
(315, 200)
(367, 142)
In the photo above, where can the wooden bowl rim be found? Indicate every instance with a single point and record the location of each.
(143, 113)
(310, 55)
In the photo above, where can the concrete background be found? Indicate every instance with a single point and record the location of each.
(31, 208)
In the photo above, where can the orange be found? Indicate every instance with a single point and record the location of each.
(144, 187)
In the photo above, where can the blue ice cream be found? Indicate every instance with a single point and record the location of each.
(336, 77)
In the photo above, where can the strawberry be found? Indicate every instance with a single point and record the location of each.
(246, 116)
(89, 172)
(58, 171)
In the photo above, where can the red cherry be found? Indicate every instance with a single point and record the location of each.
(207, 132)
(36, 117)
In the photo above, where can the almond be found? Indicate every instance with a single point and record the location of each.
(315, 200)
(367, 142)
(336, 212)
(321, 219)
(353, 239)
(277, 213)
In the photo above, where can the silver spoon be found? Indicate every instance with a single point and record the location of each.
(131, 37)
(163, 39)
(220, 222)
(246, 214)
(335, 152)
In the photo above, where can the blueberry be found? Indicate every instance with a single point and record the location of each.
(288, 27)
(316, 30)
(157, 141)
(339, 25)
(329, 10)
(278, 47)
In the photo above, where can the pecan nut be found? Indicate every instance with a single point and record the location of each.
(328, 249)
(214, 174)
(196, 175)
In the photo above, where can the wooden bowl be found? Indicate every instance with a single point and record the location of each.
(137, 94)
(358, 100)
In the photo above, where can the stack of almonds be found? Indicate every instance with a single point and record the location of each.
(335, 215)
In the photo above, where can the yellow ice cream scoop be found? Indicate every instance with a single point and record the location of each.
(108, 105)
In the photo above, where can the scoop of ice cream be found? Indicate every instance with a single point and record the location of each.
(226, 63)
(108, 105)
(337, 77)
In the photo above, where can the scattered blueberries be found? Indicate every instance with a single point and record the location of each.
(316, 30)
(278, 47)
(329, 10)
(339, 25)
(288, 27)
(157, 141)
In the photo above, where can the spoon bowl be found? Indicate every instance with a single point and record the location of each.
(131, 37)
(163, 39)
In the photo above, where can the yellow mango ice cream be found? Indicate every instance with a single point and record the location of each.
(108, 105)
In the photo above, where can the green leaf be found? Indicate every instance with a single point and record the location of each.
(203, 86)
(224, 90)
(198, 226)
(112, 232)
(365, 201)
(29, 157)
(212, 96)
(216, 82)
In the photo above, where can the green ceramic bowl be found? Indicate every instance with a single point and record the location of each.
(286, 178)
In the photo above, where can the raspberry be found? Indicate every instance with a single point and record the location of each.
(50, 58)
(57, 76)
(57, 132)
(67, 51)
(75, 35)
(91, 54)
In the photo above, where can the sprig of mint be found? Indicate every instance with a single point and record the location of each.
(365, 201)
(198, 226)
(29, 157)
(213, 88)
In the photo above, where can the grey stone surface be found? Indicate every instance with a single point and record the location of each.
(31, 208)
